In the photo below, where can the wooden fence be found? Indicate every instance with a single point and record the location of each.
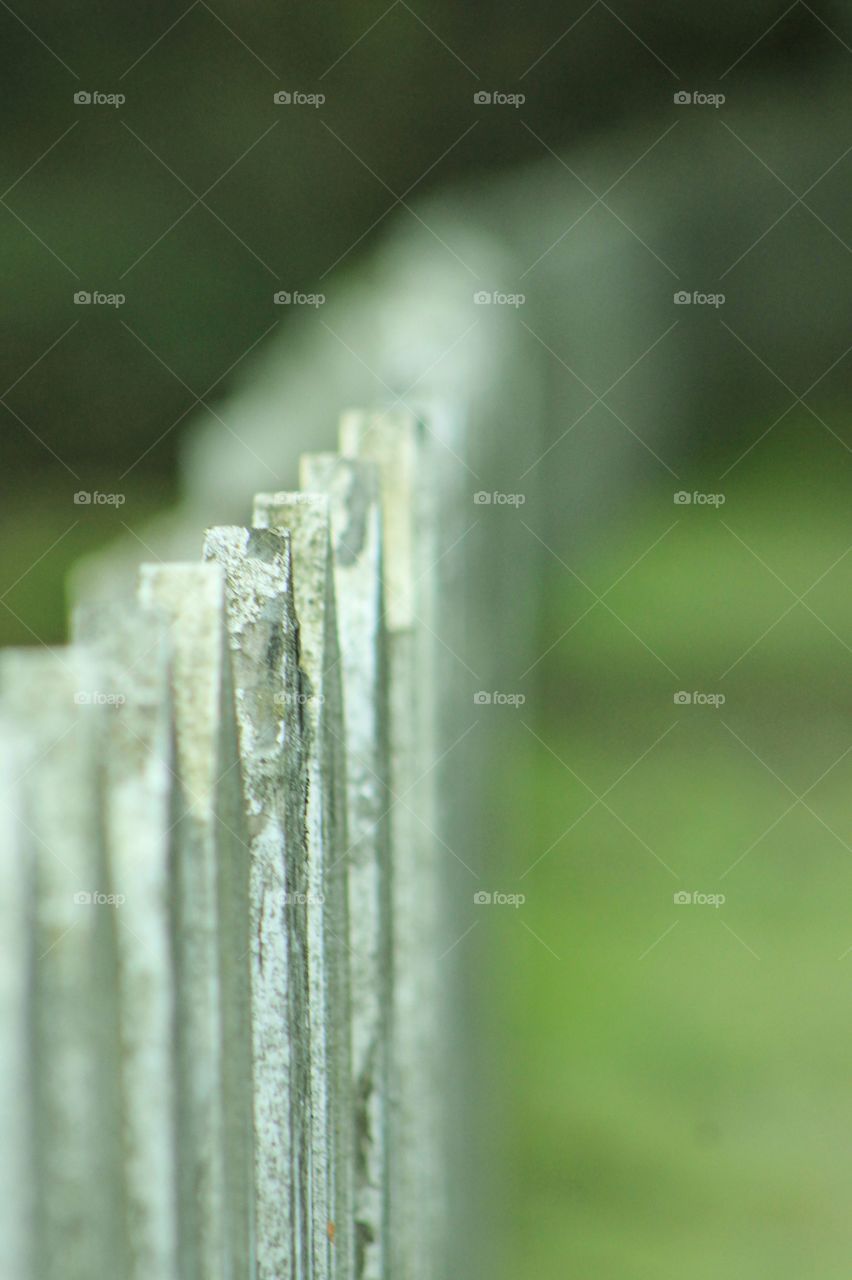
(224, 1048)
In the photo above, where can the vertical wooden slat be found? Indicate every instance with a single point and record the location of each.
(75, 1089)
(353, 492)
(211, 926)
(17, 1183)
(263, 636)
(332, 1177)
(132, 658)
(232, 1050)
(394, 442)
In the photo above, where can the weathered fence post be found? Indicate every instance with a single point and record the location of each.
(306, 518)
(353, 492)
(17, 1182)
(133, 662)
(211, 925)
(394, 441)
(223, 1045)
(264, 642)
(70, 964)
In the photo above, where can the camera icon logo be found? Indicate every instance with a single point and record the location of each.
(682, 297)
(482, 298)
(282, 97)
(82, 499)
(83, 899)
(682, 98)
(682, 498)
(482, 98)
(482, 498)
(82, 298)
(82, 97)
(482, 699)
(681, 899)
(482, 899)
(282, 298)
(682, 698)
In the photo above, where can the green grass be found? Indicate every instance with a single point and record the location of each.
(675, 1079)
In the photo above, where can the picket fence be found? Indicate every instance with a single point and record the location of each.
(223, 1051)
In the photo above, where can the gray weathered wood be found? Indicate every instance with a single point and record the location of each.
(211, 926)
(132, 658)
(263, 636)
(224, 1038)
(353, 492)
(394, 442)
(80, 1211)
(17, 1180)
(332, 1176)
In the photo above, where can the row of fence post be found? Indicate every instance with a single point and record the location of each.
(221, 1053)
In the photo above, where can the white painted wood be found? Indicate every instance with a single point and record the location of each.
(211, 927)
(353, 491)
(264, 636)
(332, 1175)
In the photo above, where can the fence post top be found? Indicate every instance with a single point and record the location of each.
(329, 464)
(261, 559)
(266, 505)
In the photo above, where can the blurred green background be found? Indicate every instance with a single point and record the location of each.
(105, 198)
(665, 1087)
(676, 1096)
